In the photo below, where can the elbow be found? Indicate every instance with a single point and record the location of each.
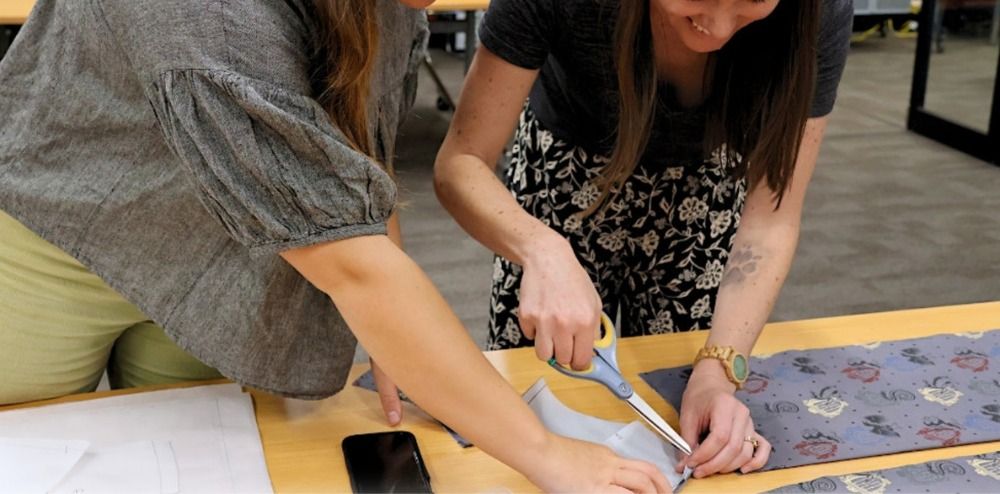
(442, 177)
(347, 264)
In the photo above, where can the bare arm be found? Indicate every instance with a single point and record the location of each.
(762, 255)
(405, 324)
(418, 340)
(465, 171)
(559, 307)
(387, 392)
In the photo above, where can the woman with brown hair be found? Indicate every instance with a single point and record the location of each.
(217, 172)
(658, 169)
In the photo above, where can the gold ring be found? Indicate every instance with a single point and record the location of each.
(753, 442)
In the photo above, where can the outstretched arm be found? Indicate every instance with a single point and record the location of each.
(758, 264)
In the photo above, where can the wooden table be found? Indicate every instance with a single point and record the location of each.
(302, 439)
(443, 26)
(468, 26)
(13, 13)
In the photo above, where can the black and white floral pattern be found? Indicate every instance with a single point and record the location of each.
(657, 249)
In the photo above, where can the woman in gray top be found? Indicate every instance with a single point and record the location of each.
(215, 167)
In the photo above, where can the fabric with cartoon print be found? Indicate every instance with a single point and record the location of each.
(832, 404)
(979, 473)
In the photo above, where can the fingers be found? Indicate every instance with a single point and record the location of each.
(732, 446)
(746, 448)
(569, 340)
(563, 347)
(634, 481)
(724, 443)
(718, 438)
(690, 431)
(583, 352)
(527, 323)
(543, 348)
(660, 483)
(388, 394)
(760, 456)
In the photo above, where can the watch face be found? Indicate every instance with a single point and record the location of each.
(740, 368)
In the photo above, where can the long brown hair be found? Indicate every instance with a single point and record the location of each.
(759, 91)
(344, 54)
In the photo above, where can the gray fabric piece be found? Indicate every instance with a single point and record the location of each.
(564, 421)
(174, 147)
(831, 404)
(967, 474)
(632, 440)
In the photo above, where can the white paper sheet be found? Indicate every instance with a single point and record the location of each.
(143, 467)
(33, 466)
(633, 440)
(211, 430)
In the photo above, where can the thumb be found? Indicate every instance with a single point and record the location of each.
(388, 395)
(689, 432)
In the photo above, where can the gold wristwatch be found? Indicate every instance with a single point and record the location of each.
(735, 363)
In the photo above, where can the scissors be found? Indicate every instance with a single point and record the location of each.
(604, 370)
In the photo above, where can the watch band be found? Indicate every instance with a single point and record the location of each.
(733, 362)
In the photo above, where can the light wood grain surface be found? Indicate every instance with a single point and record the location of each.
(446, 5)
(15, 12)
(302, 439)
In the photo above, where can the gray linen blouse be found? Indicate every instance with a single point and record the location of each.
(174, 147)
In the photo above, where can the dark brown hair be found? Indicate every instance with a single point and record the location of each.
(759, 91)
(345, 53)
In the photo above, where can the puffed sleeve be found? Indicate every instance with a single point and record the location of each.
(268, 163)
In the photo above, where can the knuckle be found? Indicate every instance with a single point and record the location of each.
(527, 312)
(736, 444)
(716, 441)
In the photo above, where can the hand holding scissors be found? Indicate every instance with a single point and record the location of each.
(604, 370)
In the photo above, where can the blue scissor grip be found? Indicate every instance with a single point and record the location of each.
(599, 372)
(604, 366)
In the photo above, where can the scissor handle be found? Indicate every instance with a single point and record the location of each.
(610, 337)
(603, 367)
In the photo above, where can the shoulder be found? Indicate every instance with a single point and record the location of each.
(553, 13)
(836, 24)
(258, 38)
(836, 15)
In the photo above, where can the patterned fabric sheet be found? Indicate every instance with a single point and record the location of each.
(979, 473)
(817, 406)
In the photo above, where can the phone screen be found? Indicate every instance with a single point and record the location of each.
(385, 462)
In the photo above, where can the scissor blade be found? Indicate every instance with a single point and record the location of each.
(659, 425)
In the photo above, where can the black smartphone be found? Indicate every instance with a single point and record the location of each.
(385, 462)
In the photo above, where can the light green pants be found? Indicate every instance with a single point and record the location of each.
(61, 327)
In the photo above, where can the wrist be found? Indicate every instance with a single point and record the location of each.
(543, 456)
(712, 371)
(541, 246)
